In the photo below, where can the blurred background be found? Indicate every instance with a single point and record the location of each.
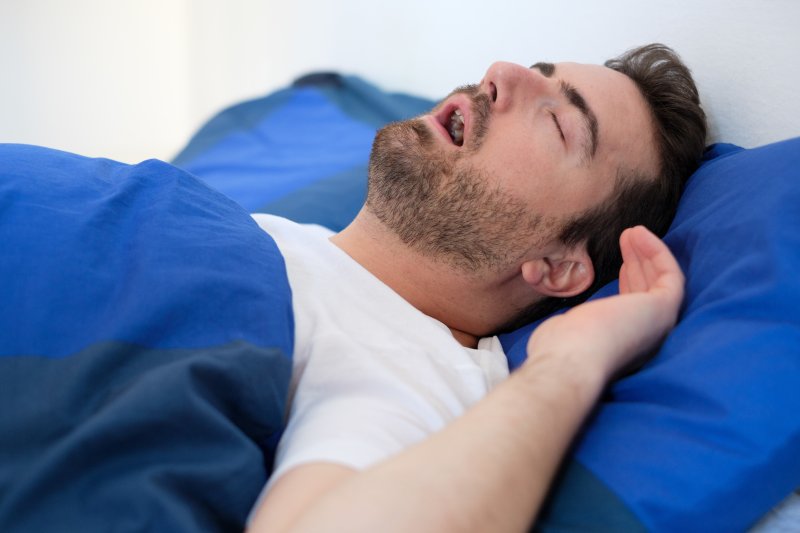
(133, 79)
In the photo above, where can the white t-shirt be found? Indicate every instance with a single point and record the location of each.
(372, 374)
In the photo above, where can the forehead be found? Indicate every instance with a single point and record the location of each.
(626, 134)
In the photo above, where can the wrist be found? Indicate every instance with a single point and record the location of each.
(584, 377)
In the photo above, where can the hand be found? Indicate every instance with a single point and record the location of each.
(611, 332)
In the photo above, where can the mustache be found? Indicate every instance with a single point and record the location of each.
(480, 106)
(472, 90)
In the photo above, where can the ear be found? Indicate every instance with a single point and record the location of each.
(563, 274)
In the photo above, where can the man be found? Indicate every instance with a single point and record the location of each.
(505, 201)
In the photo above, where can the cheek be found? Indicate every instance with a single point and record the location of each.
(517, 161)
(534, 168)
(525, 171)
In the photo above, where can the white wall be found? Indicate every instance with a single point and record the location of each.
(93, 76)
(132, 79)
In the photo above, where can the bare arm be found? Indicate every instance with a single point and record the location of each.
(490, 469)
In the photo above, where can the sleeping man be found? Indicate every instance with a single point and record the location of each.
(505, 202)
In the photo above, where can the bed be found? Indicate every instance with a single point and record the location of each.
(156, 319)
(709, 421)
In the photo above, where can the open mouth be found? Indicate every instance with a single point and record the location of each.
(455, 127)
(453, 118)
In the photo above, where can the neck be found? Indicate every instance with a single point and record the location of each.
(466, 305)
(465, 339)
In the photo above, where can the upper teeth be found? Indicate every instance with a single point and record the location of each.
(457, 127)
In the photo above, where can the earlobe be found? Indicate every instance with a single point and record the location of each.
(560, 277)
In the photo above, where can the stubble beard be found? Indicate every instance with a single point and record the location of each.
(443, 207)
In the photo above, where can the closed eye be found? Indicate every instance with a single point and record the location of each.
(558, 126)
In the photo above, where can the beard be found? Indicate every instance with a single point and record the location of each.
(441, 206)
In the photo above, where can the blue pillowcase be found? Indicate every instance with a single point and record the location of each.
(706, 436)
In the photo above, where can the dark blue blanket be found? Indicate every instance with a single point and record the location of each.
(145, 348)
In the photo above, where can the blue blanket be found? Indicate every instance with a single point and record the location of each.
(146, 334)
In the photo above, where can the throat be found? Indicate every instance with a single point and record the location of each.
(465, 339)
(420, 282)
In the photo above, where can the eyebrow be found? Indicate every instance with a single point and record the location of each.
(578, 101)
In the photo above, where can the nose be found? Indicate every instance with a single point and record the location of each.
(510, 84)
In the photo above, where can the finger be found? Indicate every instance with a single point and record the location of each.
(623, 279)
(634, 276)
(651, 248)
(649, 271)
(659, 266)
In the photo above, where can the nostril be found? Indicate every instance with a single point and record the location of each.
(493, 91)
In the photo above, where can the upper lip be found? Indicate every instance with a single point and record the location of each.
(458, 101)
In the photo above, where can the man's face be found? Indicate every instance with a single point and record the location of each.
(540, 146)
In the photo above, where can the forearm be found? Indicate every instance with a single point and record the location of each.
(487, 471)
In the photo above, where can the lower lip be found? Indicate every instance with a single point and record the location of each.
(440, 128)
